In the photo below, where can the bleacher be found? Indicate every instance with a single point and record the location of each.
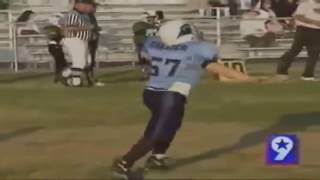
(6, 39)
(116, 20)
(274, 52)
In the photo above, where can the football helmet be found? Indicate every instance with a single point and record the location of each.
(177, 32)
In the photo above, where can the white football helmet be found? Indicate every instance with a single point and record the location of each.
(177, 32)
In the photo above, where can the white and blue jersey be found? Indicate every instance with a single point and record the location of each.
(177, 68)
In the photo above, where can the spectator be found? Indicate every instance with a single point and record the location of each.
(257, 32)
(54, 33)
(216, 3)
(246, 4)
(26, 24)
(308, 31)
(284, 8)
(222, 5)
(25, 16)
(233, 5)
(200, 5)
(94, 43)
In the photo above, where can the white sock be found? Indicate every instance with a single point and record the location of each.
(159, 156)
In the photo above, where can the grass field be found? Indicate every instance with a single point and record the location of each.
(50, 132)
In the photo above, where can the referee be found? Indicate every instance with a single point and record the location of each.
(55, 49)
(53, 32)
(77, 29)
(307, 19)
(94, 44)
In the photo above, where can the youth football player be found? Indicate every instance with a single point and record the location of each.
(178, 57)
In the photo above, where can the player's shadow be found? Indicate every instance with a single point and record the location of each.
(19, 133)
(288, 124)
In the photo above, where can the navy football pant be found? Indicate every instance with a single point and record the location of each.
(167, 111)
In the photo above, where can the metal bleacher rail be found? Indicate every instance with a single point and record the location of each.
(116, 43)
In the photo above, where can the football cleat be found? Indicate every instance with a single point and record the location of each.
(310, 79)
(119, 170)
(156, 163)
(99, 84)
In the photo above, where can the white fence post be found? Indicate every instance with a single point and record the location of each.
(13, 38)
(16, 59)
(219, 40)
(10, 19)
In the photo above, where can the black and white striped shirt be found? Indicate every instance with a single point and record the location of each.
(76, 25)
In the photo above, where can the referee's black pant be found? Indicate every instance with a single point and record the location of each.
(56, 51)
(93, 47)
(309, 38)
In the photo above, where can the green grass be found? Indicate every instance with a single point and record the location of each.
(48, 131)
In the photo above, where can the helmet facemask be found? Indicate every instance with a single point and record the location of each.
(188, 32)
